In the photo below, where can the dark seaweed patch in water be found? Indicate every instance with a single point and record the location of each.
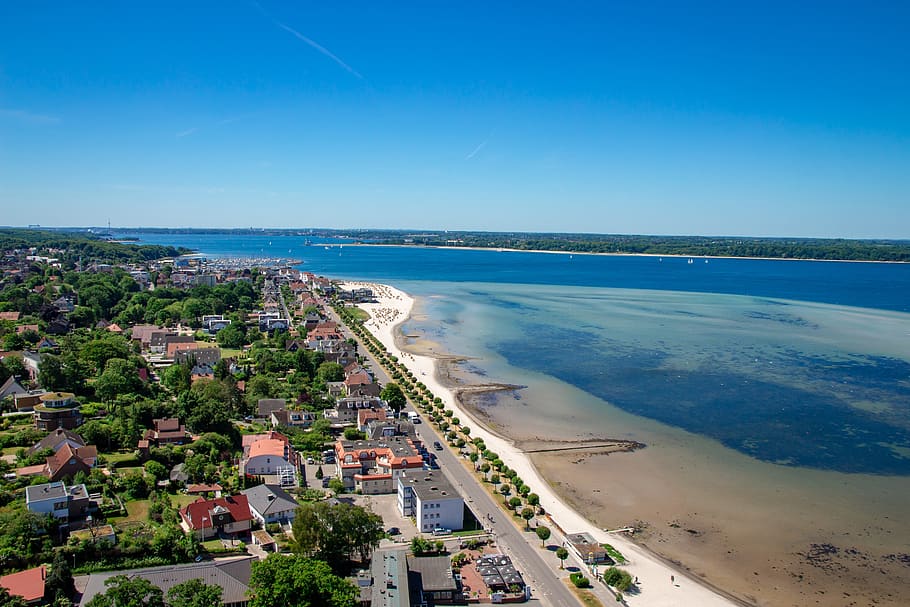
(787, 319)
(765, 419)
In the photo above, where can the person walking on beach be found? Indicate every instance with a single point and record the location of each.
(672, 579)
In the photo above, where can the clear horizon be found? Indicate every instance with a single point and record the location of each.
(768, 120)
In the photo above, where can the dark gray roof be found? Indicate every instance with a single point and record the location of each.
(46, 491)
(258, 497)
(429, 485)
(55, 439)
(434, 573)
(390, 579)
(232, 575)
(265, 406)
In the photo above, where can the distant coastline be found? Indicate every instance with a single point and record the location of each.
(710, 247)
(620, 254)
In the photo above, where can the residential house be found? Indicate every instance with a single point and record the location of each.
(346, 409)
(11, 387)
(28, 584)
(65, 463)
(203, 488)
(374, 467)
(208, 356)
(27, 401)
(23, 328)
(56, 440)
(167, 431)
(32, 362)
(62, 502)
(57, 410)
(283, 418)
(270, 454)
(142, 334)
(231, 575)
(265, 406)
(220, 516)
(431, 499)
(13, 316)
(271, 504)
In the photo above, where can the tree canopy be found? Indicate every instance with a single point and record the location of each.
(297, 581)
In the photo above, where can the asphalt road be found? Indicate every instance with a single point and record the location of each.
(528, 558)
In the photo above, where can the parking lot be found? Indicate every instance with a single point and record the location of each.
(328, 471)
(386, 506)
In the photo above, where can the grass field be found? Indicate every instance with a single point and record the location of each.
(181, 499)
(138, 511)
(361, 315)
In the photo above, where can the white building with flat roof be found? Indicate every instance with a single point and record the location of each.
(431, 499)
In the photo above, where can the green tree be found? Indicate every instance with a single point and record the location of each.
(177, 378)
(123, 591)
(562, 554)
(232, 336)
(394, 396)
(330, 372)
(119, 377)
(336, 533)
(194, 593)
(296, 581)
(527, 514)
(11, 600)
(543, 533)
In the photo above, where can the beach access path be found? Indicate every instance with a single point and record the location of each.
(660, 583)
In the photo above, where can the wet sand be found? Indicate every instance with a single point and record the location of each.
(767, 534)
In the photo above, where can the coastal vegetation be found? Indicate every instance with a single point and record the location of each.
(623, 244)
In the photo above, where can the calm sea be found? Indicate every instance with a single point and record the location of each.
(785, 361)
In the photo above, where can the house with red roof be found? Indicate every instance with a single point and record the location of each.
(220, 516)
(270, 454)
(373, 466)
(28, 584)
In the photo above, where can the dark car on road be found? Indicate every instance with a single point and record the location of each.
(437, 445)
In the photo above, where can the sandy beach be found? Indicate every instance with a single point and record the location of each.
(392, 308)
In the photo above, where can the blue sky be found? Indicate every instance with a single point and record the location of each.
(729, 118)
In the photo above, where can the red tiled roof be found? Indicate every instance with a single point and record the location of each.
(28, 584)
(202, 488)
(13, 316)
(237, 505)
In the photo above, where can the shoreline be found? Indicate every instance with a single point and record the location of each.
(394, 307)
(607, 254)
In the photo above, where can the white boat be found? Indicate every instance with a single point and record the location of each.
(691, 261)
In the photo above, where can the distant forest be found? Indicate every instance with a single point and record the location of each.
(89, 247)
(701, 246)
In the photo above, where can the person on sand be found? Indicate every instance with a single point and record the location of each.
(672, 579)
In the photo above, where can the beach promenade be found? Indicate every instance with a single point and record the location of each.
(659, 582)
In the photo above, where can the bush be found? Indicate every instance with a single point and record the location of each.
(617, 578)
(580, 580)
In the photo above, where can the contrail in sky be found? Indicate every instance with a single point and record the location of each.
(477, 149)
(318, 47)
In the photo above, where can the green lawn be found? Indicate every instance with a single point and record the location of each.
(181, 499)
(138, 511)
(121, 459)
(361, 315)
